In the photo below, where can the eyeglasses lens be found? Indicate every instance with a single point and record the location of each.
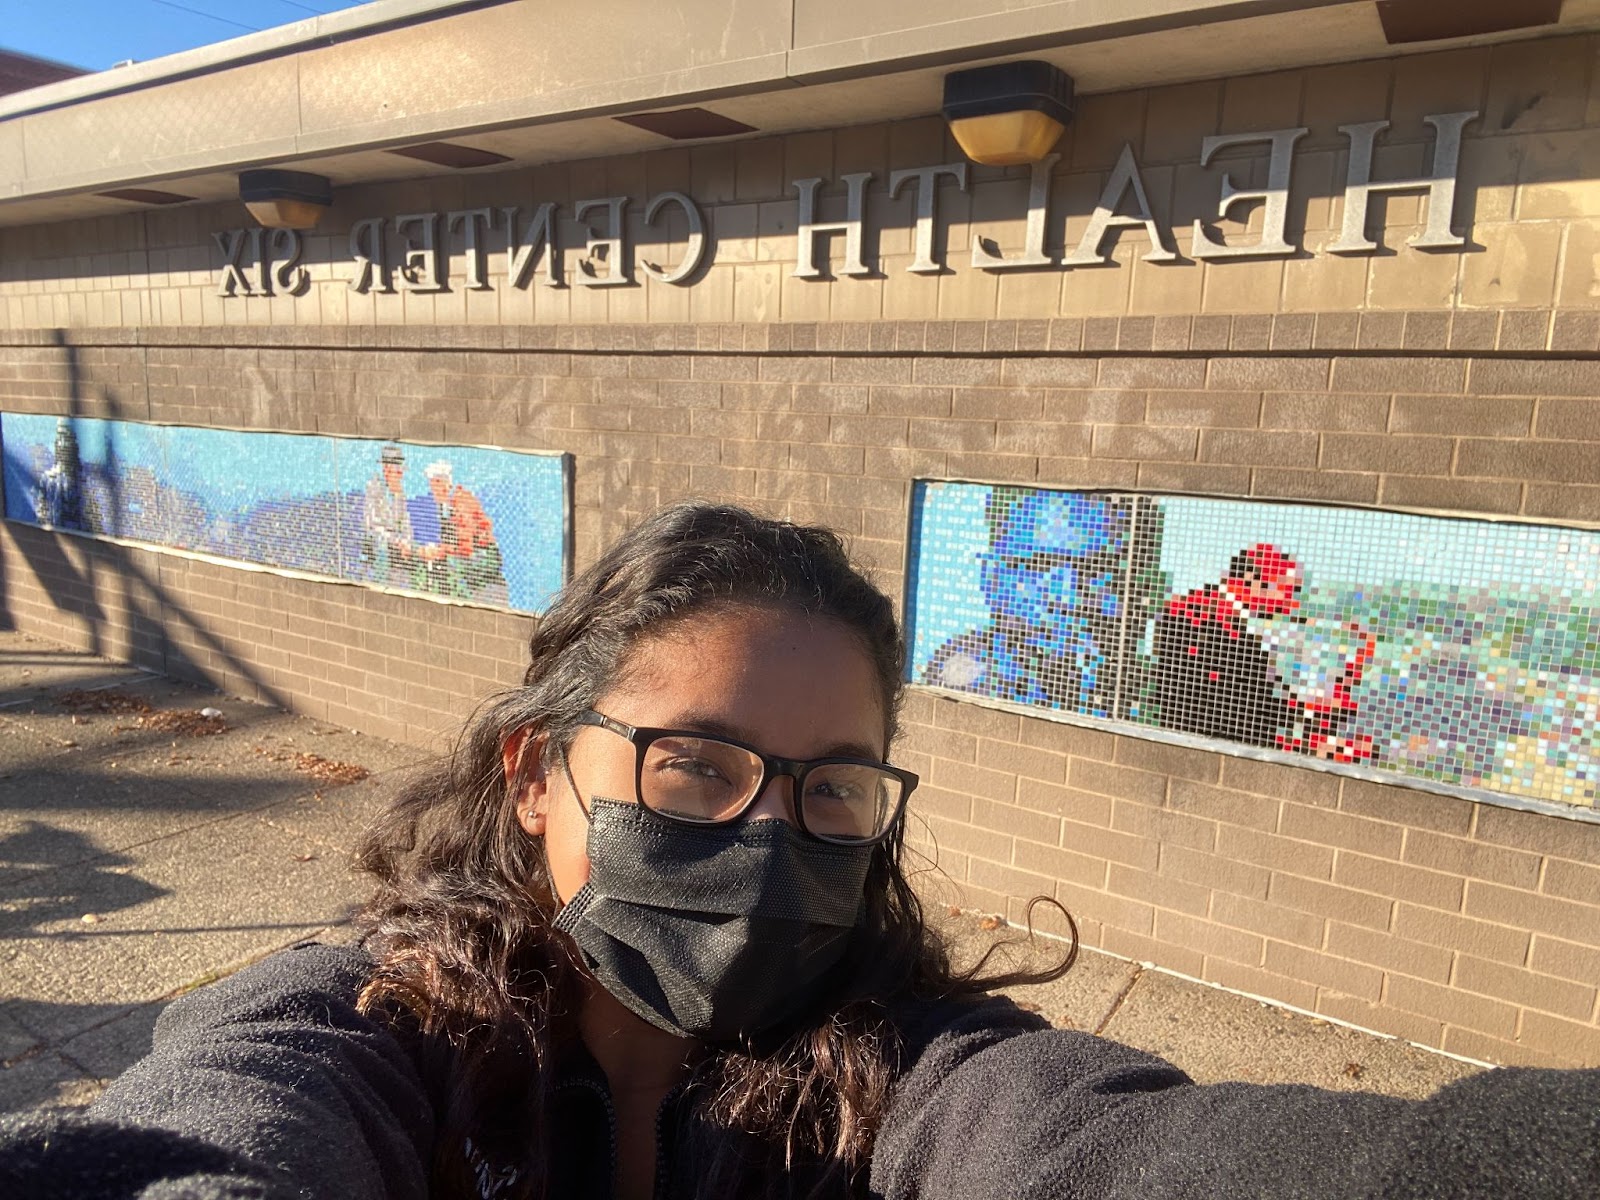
(850, 802)
(698, 779)
(706, 780)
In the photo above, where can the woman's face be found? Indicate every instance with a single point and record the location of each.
(790, 685)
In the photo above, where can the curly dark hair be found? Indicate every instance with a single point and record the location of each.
(460, 924)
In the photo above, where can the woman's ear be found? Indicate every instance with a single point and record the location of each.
(523, 757)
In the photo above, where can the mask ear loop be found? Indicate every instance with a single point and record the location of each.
(566, 769)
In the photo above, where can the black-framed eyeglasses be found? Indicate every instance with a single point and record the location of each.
(696, 779)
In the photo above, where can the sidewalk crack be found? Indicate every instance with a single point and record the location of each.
(1116, 1004)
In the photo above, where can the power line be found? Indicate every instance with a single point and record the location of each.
(212, 16)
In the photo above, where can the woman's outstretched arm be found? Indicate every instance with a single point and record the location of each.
(267, 1084)
(995, 1105)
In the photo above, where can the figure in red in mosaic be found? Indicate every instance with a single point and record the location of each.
(1236, 661)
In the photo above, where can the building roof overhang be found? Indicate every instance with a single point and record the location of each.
(335, 95)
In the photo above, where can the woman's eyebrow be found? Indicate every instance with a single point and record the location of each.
(716, 727)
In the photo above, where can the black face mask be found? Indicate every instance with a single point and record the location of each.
(716, 932)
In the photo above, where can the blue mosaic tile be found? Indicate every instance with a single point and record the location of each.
(468, 522)
(1463, 652)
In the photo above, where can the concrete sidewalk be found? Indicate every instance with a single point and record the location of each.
(146, 849)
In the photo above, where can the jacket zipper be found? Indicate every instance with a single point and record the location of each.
(659, 1184)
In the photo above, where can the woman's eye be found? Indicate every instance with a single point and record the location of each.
(832, 789)
(699, 767)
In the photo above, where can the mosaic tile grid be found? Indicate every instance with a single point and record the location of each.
(1464, 652)
(476, 524)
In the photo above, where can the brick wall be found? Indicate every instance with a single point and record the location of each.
(1461, 925)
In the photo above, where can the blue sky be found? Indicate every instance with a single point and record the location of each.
(94, 34)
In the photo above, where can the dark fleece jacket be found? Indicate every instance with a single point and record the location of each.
(270, 1085)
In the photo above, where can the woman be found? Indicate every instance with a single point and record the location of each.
(647, 934)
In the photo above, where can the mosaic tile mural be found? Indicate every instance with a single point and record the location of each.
(471, 523)
(1461, 652)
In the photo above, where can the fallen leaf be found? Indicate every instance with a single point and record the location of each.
(953, 911)
(989, 923)
(90, 919)
(1354, 1069)
(328, 771)
(105, 702)
(304, 857)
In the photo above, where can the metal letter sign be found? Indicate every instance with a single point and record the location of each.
(254, 261)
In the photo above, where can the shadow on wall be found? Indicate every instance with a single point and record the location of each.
(149, 612)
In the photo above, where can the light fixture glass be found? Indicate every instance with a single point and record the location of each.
(1004, 139)
(285, 199)
(1008, 113)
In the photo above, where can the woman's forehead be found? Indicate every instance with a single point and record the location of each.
(771, 673)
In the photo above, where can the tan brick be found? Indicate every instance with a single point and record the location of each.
(1535, 377)
(1278, 781)
(1275, 851)
(1575, 1044)
(1415, 375)
(1208, 938)
(1163, 825)
(1561, 462)
(1331, 828)
(1324, 970)
(1164, 891)
(1250, 374)
(1208, 410)
(1144, 373)
(1459, 856)
(1049, 372)
(1125, 783)
(1393, 453)
(1348, 412)
(975, 780)
(1389, 952)
(1406, 806)
(1057, 863)
(1424, 1031)
(1460, 495)
(1088, 472)
(1539, 914)
(1223, 804)
(1047, 438)
(1572, 881)
(1330, 900)
(1545, 993)
(1393, 880)
(1087, 807)
(1575, 420)
(1452, 932)
(1008, 881)
(1194, 477)
(1131, 915)
(1110, 844)
(1254, 981)
(1453, 1006)
(1481, 1048)
(1348, 487)
(1143, 948)
(1167, 759)
(1016, 822)
(1538, 833)
(1047, 765)
(909, 401)
(1076, 740)
(975, 719)
(1004, 404)
(1481, 416)
(1564, 960)
(1215, 871)
(1267, 448)
(940, 743)
(931, 800)
(1145, 442)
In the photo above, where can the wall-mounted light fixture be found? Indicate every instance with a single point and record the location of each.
(285, 199)
(1008, 113)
